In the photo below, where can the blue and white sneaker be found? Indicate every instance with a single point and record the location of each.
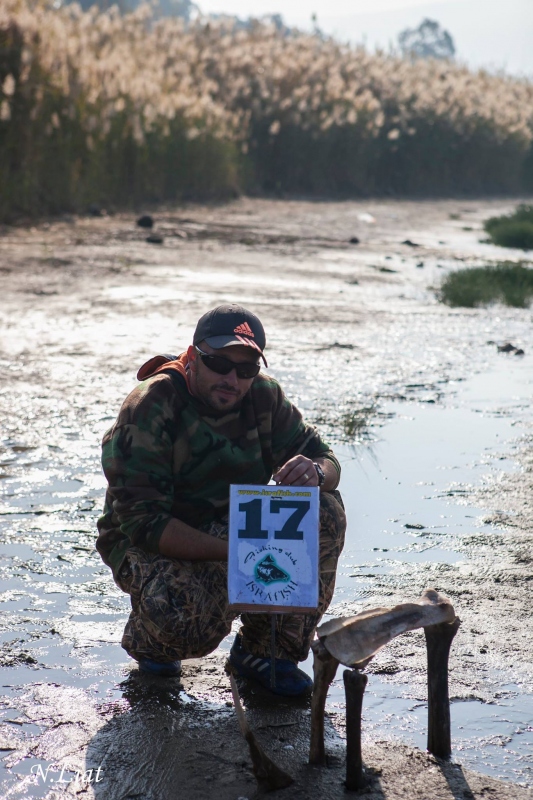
(290, 681)
(170, 669)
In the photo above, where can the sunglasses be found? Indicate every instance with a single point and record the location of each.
(223, 366)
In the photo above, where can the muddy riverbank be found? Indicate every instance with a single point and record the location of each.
(356, 336)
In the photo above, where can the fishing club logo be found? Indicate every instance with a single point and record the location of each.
(273, 574)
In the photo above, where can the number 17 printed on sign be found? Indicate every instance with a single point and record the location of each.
(273, 548)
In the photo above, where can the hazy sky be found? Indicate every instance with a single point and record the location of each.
(297, 8)
(497, 34)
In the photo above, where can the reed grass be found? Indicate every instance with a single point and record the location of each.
(355, 422)
(127, 109)
(507, 283)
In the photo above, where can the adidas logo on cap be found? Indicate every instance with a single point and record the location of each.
(244, 329)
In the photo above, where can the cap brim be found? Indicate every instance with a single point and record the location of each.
(219, 342)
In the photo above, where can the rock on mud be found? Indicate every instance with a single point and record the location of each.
(145, 221)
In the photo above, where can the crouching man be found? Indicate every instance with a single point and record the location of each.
(197, 423)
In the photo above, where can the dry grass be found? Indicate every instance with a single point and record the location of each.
(115, 109)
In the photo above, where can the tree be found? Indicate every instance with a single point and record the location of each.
(429, 40)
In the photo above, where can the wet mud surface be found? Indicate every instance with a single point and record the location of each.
(432, 424)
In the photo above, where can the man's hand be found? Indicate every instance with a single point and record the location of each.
(298, 471)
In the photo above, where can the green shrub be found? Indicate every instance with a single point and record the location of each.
(514, 234)
(508, 283)
(512, 230)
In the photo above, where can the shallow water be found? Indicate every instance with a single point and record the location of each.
(419, 467)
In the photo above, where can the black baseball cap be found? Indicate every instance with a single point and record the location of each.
(231, 324)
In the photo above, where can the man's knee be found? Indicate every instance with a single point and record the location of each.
(180, 604)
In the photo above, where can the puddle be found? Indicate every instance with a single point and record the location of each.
(403, 491)
(491, 738)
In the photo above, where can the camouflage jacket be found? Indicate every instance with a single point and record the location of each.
(169, 455)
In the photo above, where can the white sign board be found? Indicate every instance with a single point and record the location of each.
(273, 548)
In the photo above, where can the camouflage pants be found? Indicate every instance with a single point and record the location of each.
(180, 608)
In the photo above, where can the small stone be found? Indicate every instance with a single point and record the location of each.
(354, 240)
(385, 669)
(409, 243)
(146, 221)
(420, 264)
(7, 744)
(155, 238)
(506, 348)
(519, 352)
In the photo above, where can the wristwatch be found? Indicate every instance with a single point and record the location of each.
(320, 472)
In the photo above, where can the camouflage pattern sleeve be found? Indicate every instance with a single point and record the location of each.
(292, 436)
(137, 459)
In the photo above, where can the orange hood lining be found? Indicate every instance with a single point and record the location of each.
(163, 363)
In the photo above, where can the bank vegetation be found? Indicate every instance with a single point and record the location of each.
(100, 107)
